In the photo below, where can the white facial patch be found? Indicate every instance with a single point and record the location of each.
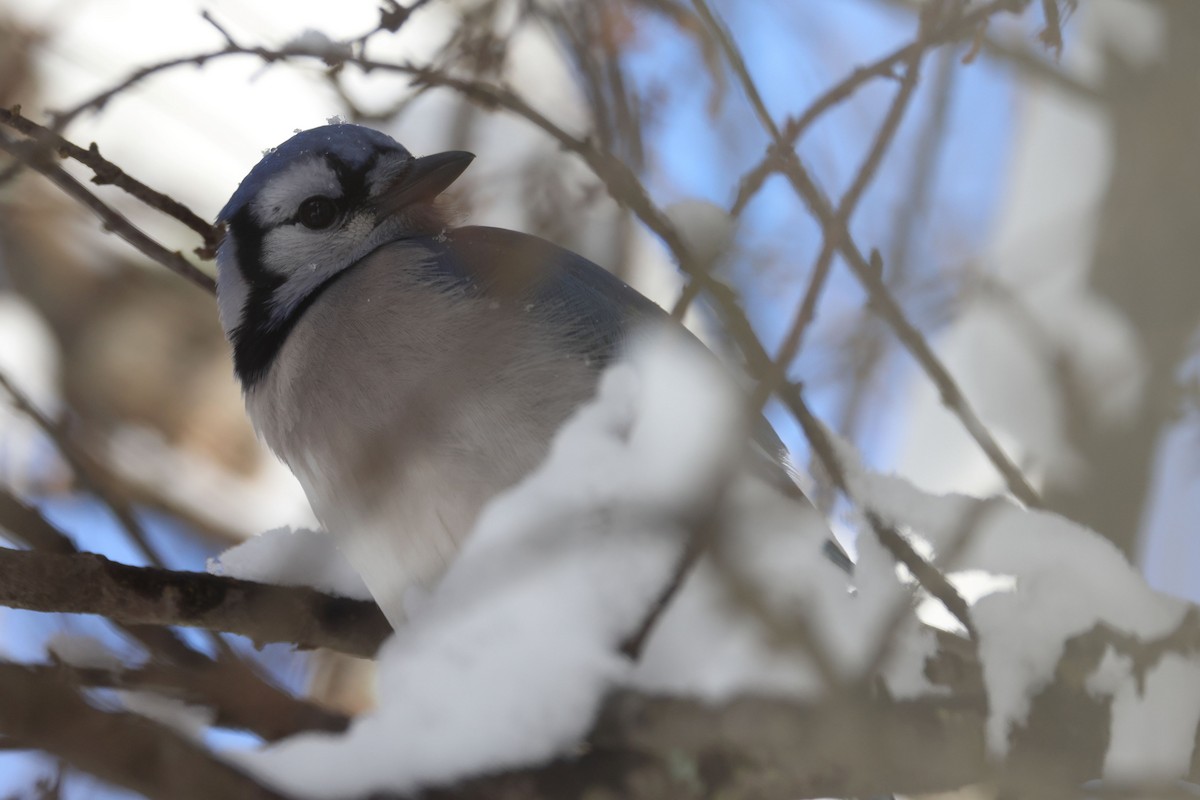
(283, 194)
(307, 258)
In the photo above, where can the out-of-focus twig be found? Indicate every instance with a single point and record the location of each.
(231, 701)
(25, 524)
(81, 464)
(1026, 60)
(48, 712)
(952, 30)
(871, 342)
(806, 312)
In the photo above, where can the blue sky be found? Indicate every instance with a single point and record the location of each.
(815, 46)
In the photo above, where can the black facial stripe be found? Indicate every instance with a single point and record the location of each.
(355, 191)
(253, 348)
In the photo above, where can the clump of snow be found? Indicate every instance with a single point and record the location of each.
(706, 229)
(292, 558)
(711, 644)
(1067, 580)
(1153, 727)
(514, 650)
(315, 43)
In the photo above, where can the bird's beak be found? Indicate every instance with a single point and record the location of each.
(425, 179)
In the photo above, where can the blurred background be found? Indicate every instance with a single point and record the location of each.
(1035, 215)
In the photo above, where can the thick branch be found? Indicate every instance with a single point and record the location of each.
(86, 583)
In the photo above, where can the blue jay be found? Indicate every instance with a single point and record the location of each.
(404, 369)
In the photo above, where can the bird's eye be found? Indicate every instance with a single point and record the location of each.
(317, 212)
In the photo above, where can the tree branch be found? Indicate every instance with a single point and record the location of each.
(106, 172)
(86, 583)
(33, 155)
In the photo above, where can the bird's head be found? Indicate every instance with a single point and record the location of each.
(309, 209)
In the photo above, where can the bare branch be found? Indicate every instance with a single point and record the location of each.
(233, 689)
(951, 30)
(108, 173)
(34, 155)
(86, 583)
(807, 309)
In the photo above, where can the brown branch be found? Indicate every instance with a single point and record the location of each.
(644, 746)
(86, 583)
(240, 696)
(47, 711)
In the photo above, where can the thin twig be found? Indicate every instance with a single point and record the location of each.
(930, 578)
(81, 464)
(916, 199)
(806, 313)
(107, 173)
(883, 67)
(35, 156)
